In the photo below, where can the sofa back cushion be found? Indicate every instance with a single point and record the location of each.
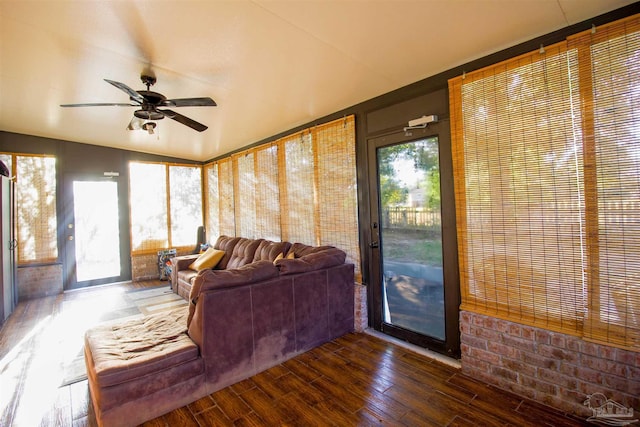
(309, 258)
(269, 251)
(243, 252)
(226, 244)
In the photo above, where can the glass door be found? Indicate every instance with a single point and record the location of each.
(414, 301)
(92, 233)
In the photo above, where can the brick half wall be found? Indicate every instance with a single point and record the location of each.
(554, 369)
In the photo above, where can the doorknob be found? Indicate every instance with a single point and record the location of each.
(374, 245)
(70, 238)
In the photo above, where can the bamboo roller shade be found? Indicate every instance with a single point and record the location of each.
(300, 188)
(546, 179)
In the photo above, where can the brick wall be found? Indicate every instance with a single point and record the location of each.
(39, 281)
(552, 368)
(360, 315)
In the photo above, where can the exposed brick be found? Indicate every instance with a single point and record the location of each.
(557, 353)
(589, 376)
(527, 332)
(621, 384)
(603, 365)
(543, 336)
(558, 340)
(539, 386)
(519, 343)
(589, 348)
(568, 369)
(502, 325)
(487, 334)
(474, 341)
(39, 281)
(514, 329)
(519, 367)
(607, 352)
(489, 323)
(540, 361)
(487, 356)
(558, 379)
(504, 350)
(504, 373)
(465, 317)
(633, 373)
(626, 357)
(573, 344)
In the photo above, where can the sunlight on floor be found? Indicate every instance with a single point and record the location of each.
(55, 342)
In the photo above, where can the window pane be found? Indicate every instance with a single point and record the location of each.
(185, 185)
(36, 206)
(148, 201)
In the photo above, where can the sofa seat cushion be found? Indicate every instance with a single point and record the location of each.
(187, 275)
(129, 350)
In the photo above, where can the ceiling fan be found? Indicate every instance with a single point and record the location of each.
(152, 106)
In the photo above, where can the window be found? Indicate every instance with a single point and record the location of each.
(547, 186)
(35, 195)
(165, 205)
(300, 188)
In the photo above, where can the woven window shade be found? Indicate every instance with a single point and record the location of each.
(337, 187)
(226, 199)
(212, 203)
(297, 196)
(245, 194)
(185, 197)
(546, 184)
(610, 91)
(36, 208)
(301, 188)
(517, 181)
(267, 203)
(148, 187)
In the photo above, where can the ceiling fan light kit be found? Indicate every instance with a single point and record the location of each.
(150, 104)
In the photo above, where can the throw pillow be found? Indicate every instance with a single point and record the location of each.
(280, 256)
(209, 259)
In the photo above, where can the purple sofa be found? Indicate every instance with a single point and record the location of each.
(249, 313)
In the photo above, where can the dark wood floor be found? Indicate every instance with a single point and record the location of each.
(357, 380)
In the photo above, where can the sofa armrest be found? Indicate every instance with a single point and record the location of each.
(180, 263)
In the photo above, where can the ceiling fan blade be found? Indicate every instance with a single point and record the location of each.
(100, 104)
(184, 120)
(135, 96)
(189, 102)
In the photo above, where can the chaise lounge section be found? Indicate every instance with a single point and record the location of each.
(263, 303)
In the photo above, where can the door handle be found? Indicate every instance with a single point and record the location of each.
(374, 245)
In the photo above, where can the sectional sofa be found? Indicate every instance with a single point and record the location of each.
(261, 303)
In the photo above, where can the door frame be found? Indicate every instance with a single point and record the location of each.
(451, 345)
(68, 217)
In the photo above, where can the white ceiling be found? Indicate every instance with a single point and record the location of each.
(270, 65)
